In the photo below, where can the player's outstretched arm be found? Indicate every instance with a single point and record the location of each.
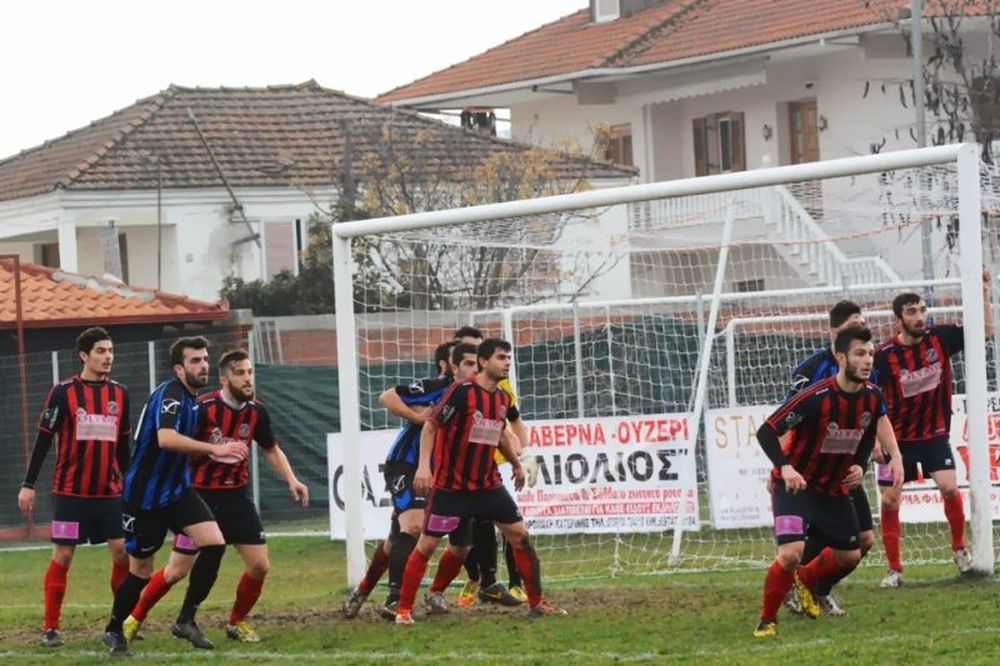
(391, 400)
(277, 459)
(171, 440)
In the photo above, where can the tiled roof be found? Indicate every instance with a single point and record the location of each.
(50, 298)
(671, 31)
(279, 136)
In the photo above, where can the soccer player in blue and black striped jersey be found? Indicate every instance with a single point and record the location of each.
(157, 493)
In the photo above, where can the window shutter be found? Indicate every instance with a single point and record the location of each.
(700, 148)
(739, 142)
(279, 247)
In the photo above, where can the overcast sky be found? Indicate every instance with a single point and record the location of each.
(64, 63)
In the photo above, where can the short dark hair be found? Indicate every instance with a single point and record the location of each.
(842, 311)
(189, 342)
(468, 332)
(459, 351)
(85, 341)
(843, 341)
(904, 299)
(231, 357)
(442, 353)
(489, 346)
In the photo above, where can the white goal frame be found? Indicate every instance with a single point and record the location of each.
(965, 156)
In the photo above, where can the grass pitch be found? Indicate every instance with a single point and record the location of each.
(703, 618)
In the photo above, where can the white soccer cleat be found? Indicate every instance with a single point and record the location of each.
(829, 606)
(892, 579)
(963, 560)
(792, 602)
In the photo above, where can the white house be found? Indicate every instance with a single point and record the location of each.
(191, 185)
(710, 86)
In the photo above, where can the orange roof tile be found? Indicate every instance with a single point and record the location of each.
(54, 298)
(671, 31)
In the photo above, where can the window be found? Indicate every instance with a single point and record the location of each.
(279, 248)
(745, 286)
(719, 144)
(47, 254)
(604, 10)
(619, 148)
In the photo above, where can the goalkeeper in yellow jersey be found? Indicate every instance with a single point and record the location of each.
(481, 564)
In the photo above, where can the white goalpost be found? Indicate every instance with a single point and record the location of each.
(652, 326)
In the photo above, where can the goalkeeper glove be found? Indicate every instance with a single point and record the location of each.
(530, 465)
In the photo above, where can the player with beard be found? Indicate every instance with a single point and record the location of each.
(226, 415)
(89, 416)
(157, 494)
(455, 362)
(461, 435)
(816, 368)
(915, 373)
(832, 427)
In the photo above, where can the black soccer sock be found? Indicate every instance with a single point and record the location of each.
(472, 559)
(402, 545)
(814, 546)
(514, 577)
(126, 598)
(484, 536)
(203, 575)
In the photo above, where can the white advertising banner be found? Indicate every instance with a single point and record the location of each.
(738, 468)
(618, 474)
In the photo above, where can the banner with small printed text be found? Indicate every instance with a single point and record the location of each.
(738, 468)
(618, 474)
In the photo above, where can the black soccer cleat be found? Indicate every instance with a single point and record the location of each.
(116, 644)
(52, 638)
(190, 632)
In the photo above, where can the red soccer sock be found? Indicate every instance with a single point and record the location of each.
(777, 582)
(528, 566)
(416, 567)
(119, 572)
(247, 593)
(153, 592)
(954, 511)
(890, 538)
(448, 568)
(824, 566)
(377, 567)
(54, 590)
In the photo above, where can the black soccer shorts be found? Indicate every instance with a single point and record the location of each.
(448, 510)
(933, 455)
(399, 483)
(77, 520)
(145, 530)
(832, 518)
(237, 516)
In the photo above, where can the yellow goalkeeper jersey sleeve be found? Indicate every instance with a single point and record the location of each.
(509, 390)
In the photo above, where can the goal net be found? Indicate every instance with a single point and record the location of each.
(653, 330)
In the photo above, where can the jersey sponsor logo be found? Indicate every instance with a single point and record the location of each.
(841, 440)
(112, 407)
(485, 431)
(95, 427)
(920, 381)
(169, 406)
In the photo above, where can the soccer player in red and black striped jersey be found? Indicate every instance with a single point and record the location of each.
(832, 426)
(462, 434)
(915, 373)
(230, 414)
(89, 416)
